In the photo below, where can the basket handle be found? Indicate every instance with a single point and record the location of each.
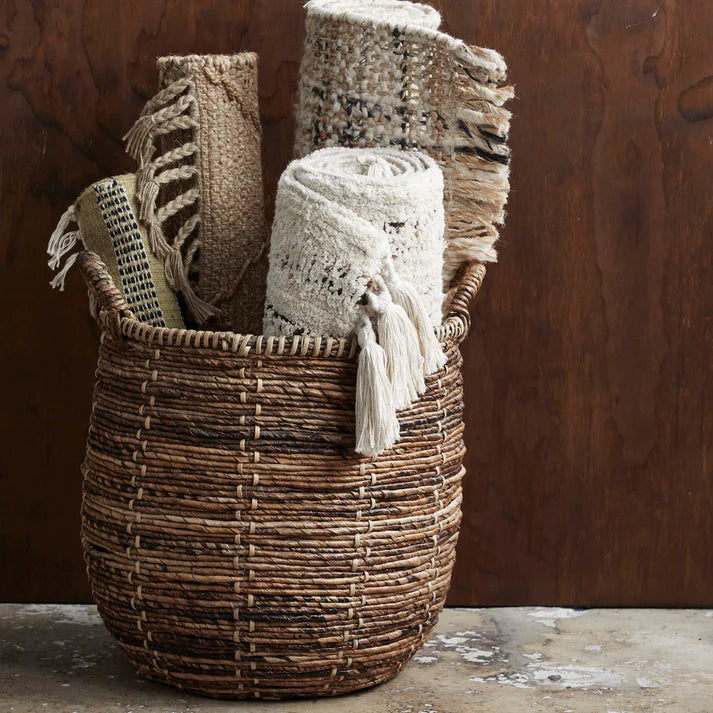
(110, 303)
(470, 282)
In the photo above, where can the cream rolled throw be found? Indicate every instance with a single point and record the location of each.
(379, 73)
(358, 235)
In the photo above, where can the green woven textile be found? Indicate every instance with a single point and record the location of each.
(106, 212)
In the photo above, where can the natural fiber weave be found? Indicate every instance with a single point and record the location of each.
(379, 73)
(202, 195)
(235, 544)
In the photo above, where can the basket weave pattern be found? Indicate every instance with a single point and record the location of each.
(235, 544)
(401, 83)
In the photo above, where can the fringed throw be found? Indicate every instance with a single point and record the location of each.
(201, 192)
(106, 217)
(378, 73)
(358, 236)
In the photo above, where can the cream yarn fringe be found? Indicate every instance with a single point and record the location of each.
(358, 236)
(378, 73)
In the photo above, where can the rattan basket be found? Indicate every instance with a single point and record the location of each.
(236, 545)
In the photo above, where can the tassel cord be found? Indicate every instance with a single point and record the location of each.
(61, 242)
(405, 295)
(377, 427)
(398, 337)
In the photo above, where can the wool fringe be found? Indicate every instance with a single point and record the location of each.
(174, 108)
(377, 427)
(478, 196)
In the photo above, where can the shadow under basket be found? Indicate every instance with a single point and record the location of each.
(236, 545)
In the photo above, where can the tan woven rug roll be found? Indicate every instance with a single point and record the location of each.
(380, 73)
(202, 194)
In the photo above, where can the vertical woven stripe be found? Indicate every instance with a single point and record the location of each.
(136, 280)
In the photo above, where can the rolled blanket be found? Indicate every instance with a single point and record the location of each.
(358, 234)
(202, 194)
(106, 216)
(380, 73)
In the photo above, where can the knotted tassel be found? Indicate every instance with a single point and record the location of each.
(147, 196)
(167, 111)
(158, 244)
(59, 279)
(377, 428)
(60, 243)
(397, 336)
(178, 278)
(403, 293)
(139, 137)
(149, 185)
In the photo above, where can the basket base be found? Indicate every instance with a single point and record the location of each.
(266, 694)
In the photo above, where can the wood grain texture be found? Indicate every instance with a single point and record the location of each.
(588, 367)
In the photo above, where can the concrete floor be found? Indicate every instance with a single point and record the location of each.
(60, 658)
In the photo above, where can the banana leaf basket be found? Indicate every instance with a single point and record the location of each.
(236, 545)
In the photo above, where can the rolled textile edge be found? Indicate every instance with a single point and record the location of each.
(421, 19)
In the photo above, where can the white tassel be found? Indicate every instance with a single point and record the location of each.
(60, 243)
(59, 279)
(377, 428)
(397, 336)
(403, 293)
(64, 245)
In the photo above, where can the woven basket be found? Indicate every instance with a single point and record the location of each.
(236, 545)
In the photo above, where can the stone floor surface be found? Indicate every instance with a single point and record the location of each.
(60, 658)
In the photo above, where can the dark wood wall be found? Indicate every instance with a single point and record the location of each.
(588, 371)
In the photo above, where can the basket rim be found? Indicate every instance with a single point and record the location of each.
(113, 315)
